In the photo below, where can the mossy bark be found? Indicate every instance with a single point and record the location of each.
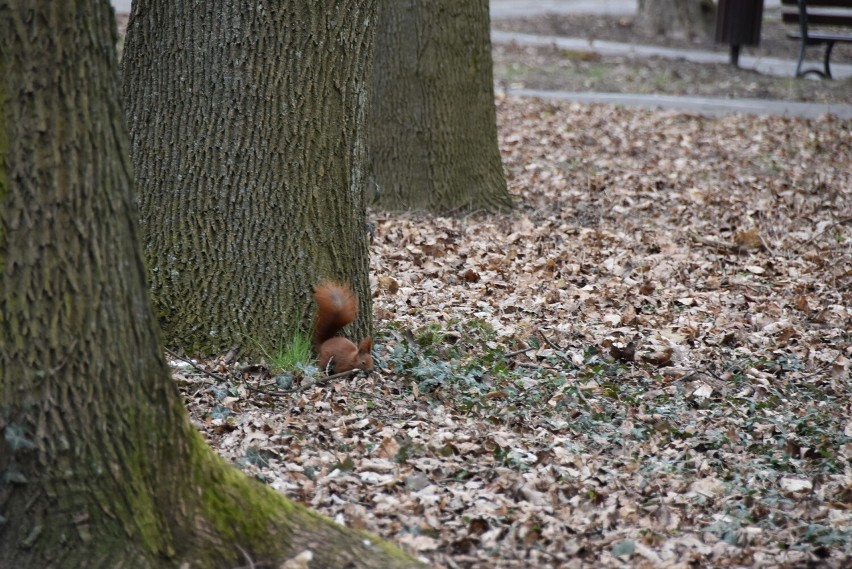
(432, 126)
(99, 466)
(247, 125)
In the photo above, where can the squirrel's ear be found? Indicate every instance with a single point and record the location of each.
(366, 344)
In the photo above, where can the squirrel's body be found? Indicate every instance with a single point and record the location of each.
(337, 306)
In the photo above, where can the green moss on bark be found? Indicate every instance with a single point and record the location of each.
(106, 469)
(244, 511)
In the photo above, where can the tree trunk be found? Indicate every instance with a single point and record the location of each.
(433, 133)
(99, 466)
(676, 18)
(247, 127)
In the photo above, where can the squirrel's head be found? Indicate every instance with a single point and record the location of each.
(365, 360)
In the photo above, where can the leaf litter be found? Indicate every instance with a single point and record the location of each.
(647, 363)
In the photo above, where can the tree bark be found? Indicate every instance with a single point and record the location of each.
(247, 127)
(433, 133)
(676, 18)
(99, 466)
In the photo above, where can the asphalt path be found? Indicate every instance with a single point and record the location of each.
(696, 105)
(701, 105)
(515, 8)
(510, 8)
(763, 65)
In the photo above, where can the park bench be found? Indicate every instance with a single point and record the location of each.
(809, 13)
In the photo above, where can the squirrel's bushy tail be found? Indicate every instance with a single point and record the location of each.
(337, 306)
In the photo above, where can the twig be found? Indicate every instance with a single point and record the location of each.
(769, 249)
(320, 381)
(516, 352)
(687, 375)
(370, 396)
(823, 368)
(328, 378)
(735, 409)
(577, 388)
(579, 391)
(718, 244)
(549, 343)
(215, 376)
(824, 229)
(247, 556)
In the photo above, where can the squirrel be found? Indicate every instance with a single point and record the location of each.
(337, 306)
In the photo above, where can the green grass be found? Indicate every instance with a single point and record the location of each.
(297, 353)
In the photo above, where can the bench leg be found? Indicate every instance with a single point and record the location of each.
(827, 57)
(801, 59)
(803, 72)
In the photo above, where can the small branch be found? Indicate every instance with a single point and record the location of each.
(823, 368)
(516, 352)
(549, 343)
(215, 376)
(320, 381)
(579, 391)
(715, 243)
(824, 229)
(576, 387)
(771, 251)
(251, 564)
(366, 395)
(529, 365)
(328, 378)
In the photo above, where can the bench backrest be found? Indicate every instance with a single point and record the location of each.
(827, 12)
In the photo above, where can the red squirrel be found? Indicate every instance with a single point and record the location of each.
(337, 306)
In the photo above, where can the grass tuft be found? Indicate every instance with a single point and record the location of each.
(298, 353)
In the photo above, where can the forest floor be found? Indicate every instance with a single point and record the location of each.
(551, 68)
(646, 363)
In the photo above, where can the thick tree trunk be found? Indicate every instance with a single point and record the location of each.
(676, 18)
(433, 133)
(99, 466)
(247, 125)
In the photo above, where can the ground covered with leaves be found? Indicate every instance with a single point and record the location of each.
(646, 363)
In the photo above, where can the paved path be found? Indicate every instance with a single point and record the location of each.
(515, 8)
(698, 105)
(701, 105)
(512, 8)
(764, 65)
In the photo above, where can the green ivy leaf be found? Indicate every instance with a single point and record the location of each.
(623, 548)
